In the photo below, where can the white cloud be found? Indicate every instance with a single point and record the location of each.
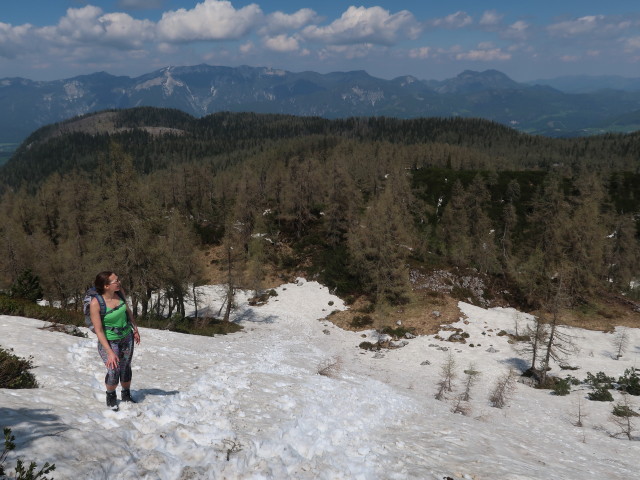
(209, 20)
(484, 55)
(486, 45)
(421, 53)
(490, 18)
(14, 40)
(279, 22)
(579, 26)
(281, 43)
(346, 51)
(81, 24)
(365, 25)
(122, 29)
(80, 27)
(455, 20)
(247, 47)
(517, 30)
(598, 25)
(632, 44)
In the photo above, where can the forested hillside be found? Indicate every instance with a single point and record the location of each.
(364, 204)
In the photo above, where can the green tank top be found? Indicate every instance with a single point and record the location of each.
(116, 318)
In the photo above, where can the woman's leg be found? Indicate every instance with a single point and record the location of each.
(125, 355)
(112, 376)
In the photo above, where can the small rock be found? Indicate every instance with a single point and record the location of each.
(492, 350)
(436, 313)
(326, 332)
(399, 322)
(426, 362)
(409, 335)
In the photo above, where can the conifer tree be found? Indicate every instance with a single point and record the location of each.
(484, 253)
(454, 227)
(381, 244)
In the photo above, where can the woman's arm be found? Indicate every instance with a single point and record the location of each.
(94, 310)
(136, 333)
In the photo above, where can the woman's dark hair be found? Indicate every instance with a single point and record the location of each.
(101, 281)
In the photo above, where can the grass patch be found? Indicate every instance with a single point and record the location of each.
(361, 321)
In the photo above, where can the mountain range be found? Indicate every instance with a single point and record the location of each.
(203, 89)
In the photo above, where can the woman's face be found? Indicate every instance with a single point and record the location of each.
(114, 283)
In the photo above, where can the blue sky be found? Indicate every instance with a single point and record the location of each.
(53, 39)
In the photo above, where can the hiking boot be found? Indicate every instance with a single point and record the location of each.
(126, 396)
(112, 399)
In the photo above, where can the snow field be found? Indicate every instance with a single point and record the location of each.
(252, 405)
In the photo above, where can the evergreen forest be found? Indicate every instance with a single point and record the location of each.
(361, 204)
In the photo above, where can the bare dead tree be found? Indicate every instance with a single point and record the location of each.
(447, 374)
(471, 376)
(537, 333)
(622, 417)
(503, 389)
(579, 414)
(620, 342)
(558, 347)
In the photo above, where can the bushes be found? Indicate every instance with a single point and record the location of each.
(14, 371)
(21, 472)
(562, 387)
(630, 382)
(599, 380)
(27, 286)
(600, 394)
(23, 308)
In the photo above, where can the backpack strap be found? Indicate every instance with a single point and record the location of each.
(103, 305)
(103, 312)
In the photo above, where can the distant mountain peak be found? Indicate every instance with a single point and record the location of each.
(470, 81)
(205, 89)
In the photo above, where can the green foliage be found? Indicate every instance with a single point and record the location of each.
(624, 411)
(26, 286)
(23, 308)
(562, 387)
(600, 394)
(22, 473)
(355, 203)
(14, 371)
(333, 265)
(396, 332)
(573, 380)
(598, 380)
(630, 381)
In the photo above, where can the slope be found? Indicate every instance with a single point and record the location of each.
(256, 406)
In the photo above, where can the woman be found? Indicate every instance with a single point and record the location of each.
(116, 335)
